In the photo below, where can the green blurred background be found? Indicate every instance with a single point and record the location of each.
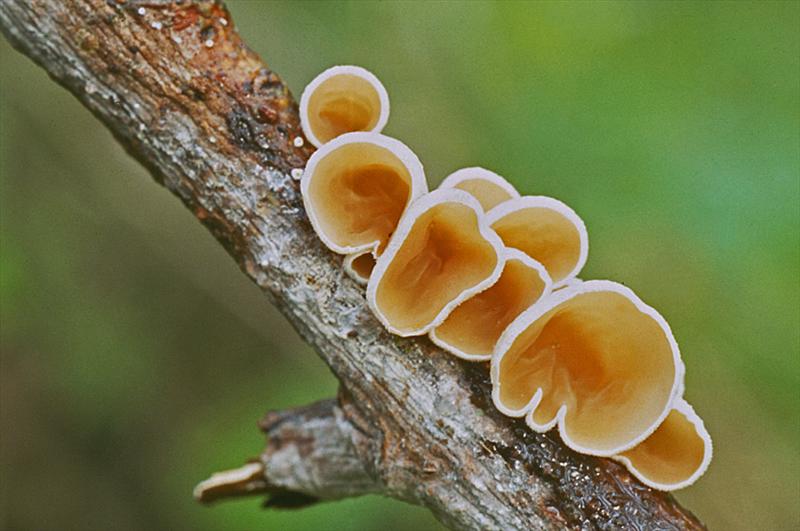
(136, 358)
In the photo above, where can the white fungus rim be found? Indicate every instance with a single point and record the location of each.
(339, 70)
(529, 316)
(574, 281)
(540, 201)
(419, 185)
(687, 411)
(417, 208)
(510, 254)
(477, 172)
(347, 263)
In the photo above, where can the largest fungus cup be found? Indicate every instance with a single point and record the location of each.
(442, 254)
(343, 99)
(355, 189)
(594, 360)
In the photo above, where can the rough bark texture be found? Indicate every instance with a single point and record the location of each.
(310, 457)
(179, 89)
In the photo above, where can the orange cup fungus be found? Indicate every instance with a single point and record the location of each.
(547, 230)
(356, 187)
(472, 329)
(442, 253)
(343, 99)
(674, 455)
(595, 361)
(359, 266)
(491, 275)
(486, 186)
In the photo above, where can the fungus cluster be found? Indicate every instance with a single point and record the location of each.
(491, 275)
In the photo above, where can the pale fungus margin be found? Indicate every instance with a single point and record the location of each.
(359, 266)
(356, 188)
(547, 230)
(473, 328)
(492, 275)
(675, 455)
(592, 359)
(489, 188)
(343, 99)
(442, 253)
(572, 282)
(269, 237)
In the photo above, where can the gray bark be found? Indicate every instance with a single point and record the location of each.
(183, 94)
(310, 456)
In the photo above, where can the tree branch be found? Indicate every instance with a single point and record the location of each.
(310, 456)
(176, 85)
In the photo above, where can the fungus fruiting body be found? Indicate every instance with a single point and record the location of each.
(492, 275)
(592, 359)
(486, 186)
(547, 230)
(343, 99)
(359, 266)
(356, 187)
(473, 328)
(442, 253)
(675, 455)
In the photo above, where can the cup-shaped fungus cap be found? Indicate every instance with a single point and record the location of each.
(343, 99)
(442, 253)
(486, 186)
(359, 266)
(357, 186)
(594, 360)
(473, 328)
(675, 455)
(547, 230)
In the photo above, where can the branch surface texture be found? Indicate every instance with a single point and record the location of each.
(183, 94)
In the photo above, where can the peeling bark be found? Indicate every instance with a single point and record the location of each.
(179, 89)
